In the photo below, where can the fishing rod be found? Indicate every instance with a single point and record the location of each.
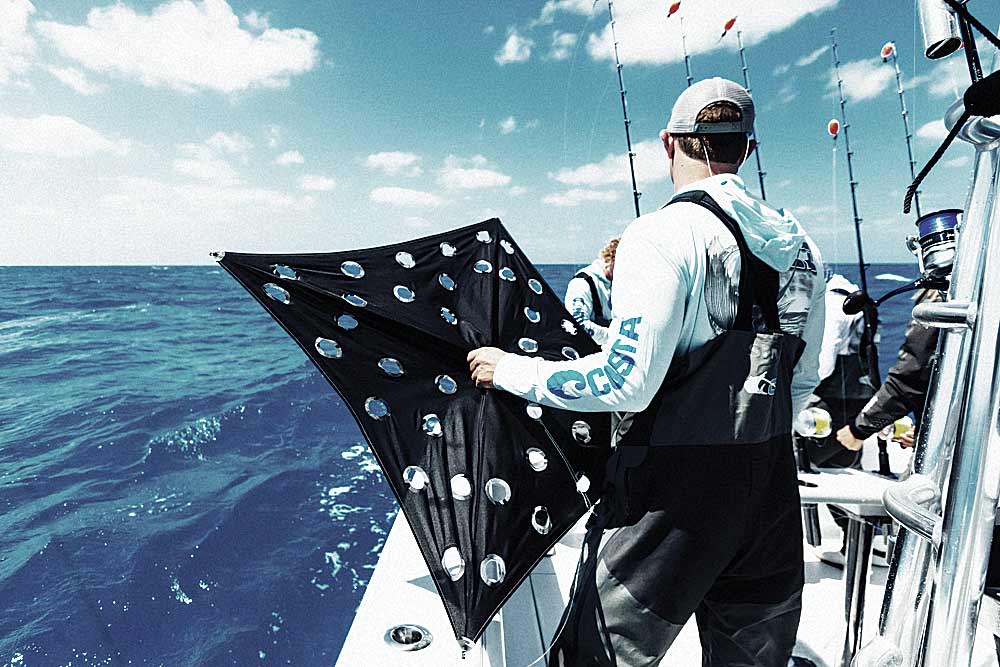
(869, 311)
(746, 84)
(889, 51)
(621, 89)
(687, 58)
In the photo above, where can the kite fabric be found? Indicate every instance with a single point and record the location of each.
(488, 482)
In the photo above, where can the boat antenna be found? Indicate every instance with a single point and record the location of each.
(621, 89)
(889, 51)
(756, 136)
(870, 312)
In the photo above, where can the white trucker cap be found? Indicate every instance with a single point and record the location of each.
(700, 95)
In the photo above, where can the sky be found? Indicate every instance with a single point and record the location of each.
(157, 132)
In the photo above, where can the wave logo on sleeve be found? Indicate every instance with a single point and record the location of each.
(570, 384)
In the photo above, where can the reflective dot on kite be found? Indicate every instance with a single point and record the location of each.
(347, 322)
(461, 487)
(352, 270)
(446, 282)
(482, 266)
(279, 294)
(582, 483)
(528, 345)
(570, 353)
(453, 563)
(448, 250)
(498, 491)
(432, 426)
(492, 570)
(532, 315)
(569, 327)
(403, 293)
(535, 286)
(507, 246)
(507, 274)
(415, 478)
(537, 459)
(286, 272)
(448, 316)
(484, 237)
(581, 432)
(534, 410)
(405, 260)
(390, 367)
(355, 300)
(446, 384)
(541, 521)
(376, 408)
(328, 348)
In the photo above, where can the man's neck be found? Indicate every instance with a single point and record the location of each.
(690, 171)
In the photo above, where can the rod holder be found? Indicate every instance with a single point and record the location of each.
(939, 28)
(947, 315)
(907, 502)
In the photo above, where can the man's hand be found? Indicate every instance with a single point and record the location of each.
(483, 362)
(906, 440)
(847, 439)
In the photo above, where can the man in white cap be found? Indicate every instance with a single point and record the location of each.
(714, 345)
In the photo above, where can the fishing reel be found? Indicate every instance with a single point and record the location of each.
(934, 247)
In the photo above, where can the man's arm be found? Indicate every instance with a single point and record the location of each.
(643, 337)
(579, 300)
(807, 376)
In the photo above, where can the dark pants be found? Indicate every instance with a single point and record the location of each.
(720, 538)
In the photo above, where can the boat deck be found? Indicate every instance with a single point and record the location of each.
(401, 592)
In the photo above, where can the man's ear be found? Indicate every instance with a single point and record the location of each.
(668, 143)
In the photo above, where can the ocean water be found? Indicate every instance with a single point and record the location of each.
(178, 484)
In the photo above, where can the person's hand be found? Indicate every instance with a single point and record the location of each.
(483, 362)
(847, 439)
(906, 440)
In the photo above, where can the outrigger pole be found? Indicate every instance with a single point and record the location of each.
(889, 50)
(870, 311)
(687, 58)
(621, 89)
(746, 84)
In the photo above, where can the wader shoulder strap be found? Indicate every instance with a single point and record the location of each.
(594, 297)
(758, 281)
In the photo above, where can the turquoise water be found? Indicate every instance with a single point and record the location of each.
(178, 485)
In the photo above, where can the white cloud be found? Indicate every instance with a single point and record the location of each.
(562, 45)
(518, 190)
(184, 45)
(290, 157)
(507, 125)
(256, 20)
(782, 69)
(863, 79)
(958, 162)
(934, 131)
(949, 77)
(202, 161)
(489, 30)
(405, 197)
(211, 197)
(470, 174)
(647, 36)
(553, 7)
(59, 136)
(516, 49)
(650, 167)
(416, 222)
(576, 196)
(811, 57)
(395, 162)
(77, 80)
(317, 183)
(16, 44)
(232, 143)
(273, 135)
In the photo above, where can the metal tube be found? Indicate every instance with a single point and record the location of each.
(970, 506)
(946, 315)
(907, 504)
(904, 607)
(621, 89)
(859, 551)
(746, 84)
(939, 28)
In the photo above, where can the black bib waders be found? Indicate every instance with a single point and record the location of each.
(701, 512)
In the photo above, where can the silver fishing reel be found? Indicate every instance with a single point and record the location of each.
(934, 243)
